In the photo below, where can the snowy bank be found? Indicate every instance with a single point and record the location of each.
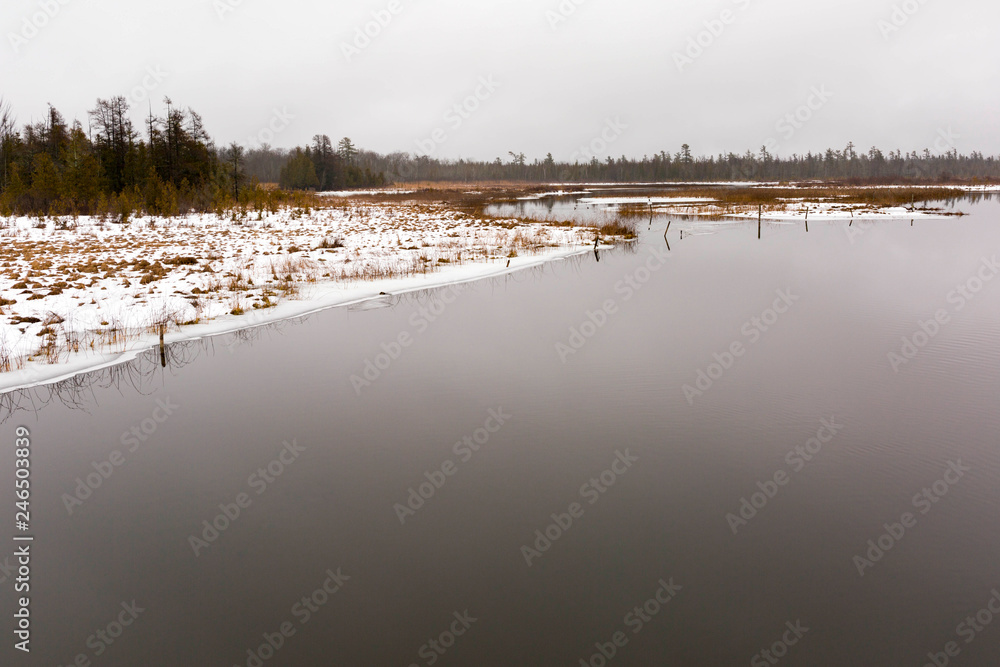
(77, 294)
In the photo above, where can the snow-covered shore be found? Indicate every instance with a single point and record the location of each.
(798, 209)
(78, 294)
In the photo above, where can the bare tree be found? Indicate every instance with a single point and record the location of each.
(115, 138)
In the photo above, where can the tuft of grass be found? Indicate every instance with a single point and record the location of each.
(6, 364)
(619, 228)
(330, 244)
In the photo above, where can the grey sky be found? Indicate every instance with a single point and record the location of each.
(559, 83)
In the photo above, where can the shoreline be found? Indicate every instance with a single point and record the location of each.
(81, 294)
(325, 296)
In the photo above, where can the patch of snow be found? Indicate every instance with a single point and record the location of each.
(619, 201)
(355, 193)
(100, 289)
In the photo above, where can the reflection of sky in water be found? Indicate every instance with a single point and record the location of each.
(602, 205)
(241, 396)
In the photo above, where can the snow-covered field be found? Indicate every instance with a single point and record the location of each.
(79, 293)
(797, 209)
(355, 193)
(655, 201)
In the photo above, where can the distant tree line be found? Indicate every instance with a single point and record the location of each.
(845, 165)
(318, 166)
(168, 166)
(171, 165)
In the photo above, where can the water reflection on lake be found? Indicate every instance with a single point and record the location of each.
(683, 450)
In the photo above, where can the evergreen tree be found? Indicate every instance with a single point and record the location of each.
(347, 150)
(300, 172)
(83, 170)
(45, 182)
(327, 163)
(8, 139)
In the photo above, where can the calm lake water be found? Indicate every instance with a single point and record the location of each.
(716, 451)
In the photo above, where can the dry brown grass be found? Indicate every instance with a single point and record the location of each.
(619, 228)
(135, 261)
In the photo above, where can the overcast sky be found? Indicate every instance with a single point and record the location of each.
(562, 73)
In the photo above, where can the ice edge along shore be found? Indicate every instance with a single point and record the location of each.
(324, 296)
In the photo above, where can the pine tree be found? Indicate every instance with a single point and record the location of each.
(347, 150)
(83, 170)
(45, 182)
(300, 172)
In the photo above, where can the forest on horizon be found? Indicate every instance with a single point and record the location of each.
(172, 165)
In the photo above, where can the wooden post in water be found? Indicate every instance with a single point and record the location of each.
(163, 351)
(760, 218)
(807, 219)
